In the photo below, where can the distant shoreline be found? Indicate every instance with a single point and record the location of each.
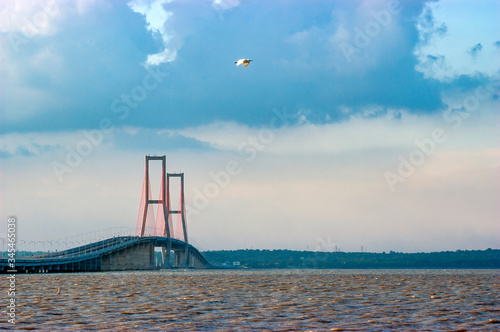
(293, 259)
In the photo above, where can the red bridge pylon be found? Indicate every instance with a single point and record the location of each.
(146, 223)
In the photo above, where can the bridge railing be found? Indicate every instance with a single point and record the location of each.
(33, 248)
(92, 249)
(81, 253)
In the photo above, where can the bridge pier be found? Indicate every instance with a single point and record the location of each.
(137, 257)
(180, 258)
(164, 258)
(189, 259)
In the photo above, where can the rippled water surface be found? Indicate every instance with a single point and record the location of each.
(243, 300)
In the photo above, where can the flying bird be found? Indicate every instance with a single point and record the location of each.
(244, 62)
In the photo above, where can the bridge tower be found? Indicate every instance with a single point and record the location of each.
(163, 225)
(182, 206)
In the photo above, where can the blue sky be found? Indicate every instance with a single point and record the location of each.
(369, 123)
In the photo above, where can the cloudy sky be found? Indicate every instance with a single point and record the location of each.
(358, 123)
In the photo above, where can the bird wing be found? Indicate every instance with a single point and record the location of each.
(246, 63)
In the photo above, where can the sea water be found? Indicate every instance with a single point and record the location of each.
(257, 300)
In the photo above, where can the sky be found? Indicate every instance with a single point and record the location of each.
(367, 124)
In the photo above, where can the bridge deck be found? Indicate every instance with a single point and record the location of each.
(89, 257)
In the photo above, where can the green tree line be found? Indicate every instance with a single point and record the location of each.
(460, 259)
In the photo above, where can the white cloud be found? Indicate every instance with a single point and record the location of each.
(30, 18)
(38, 143)
(359, 133)
(172, 27)
(157, 19)
(225, 4)
(352, 41)
(447, 37)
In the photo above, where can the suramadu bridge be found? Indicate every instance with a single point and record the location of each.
(123, 253)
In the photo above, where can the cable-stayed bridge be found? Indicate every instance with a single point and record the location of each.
(125, 252)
